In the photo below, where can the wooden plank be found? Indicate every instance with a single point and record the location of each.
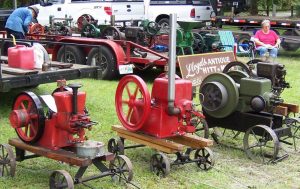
(150, 144)
(17, 71)
(281, 110)
(292, 108)
(59, 155)
(149, 139)
(60, 65)
(193, 141)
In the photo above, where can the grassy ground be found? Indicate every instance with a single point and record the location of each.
(232, 169)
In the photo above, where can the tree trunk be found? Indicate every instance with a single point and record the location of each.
(254, 7)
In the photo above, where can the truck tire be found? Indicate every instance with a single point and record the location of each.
(108, 64)
(290, 45)
(73, 55)
(243, 39)
(164, 25)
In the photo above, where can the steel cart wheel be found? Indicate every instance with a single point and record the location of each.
(160, 164)
(60, 179)
(219, 133)
(7, 161)
(201, 126)
(115, 147)
(205, 158)
(261, 144)
(27, 117)
(132, 102)
(122, 168)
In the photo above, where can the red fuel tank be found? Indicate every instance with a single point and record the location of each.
(63, 101)
(21, 56)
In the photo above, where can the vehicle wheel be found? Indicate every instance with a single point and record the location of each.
(204, 158)
(201, 127)
(7, 161)
(71, 54)
(61, 179)
(105, 59)
(290, 45)
(160, 165)
(115, 147)
(164, 25)
(243, 39)
(122, 167)
(261, 144)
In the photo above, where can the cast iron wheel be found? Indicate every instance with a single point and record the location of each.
(132, 102)
(71, 54)
(31, 104)
(201, 127)
(290, 45)
(261, 144)
(115, 147)
(219, 132)
(164, 25)
(122, 168)
(160, 165)
(111, 32)
(198, 44)
(205, 158)
(105, 60)
(152, 28)
(84, 19)
(237, 65)
(7, 161)
(60, 179)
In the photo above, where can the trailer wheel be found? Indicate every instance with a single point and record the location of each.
(290, 45)
(243, 39)
(71, 54)
(164, 25)
(103, 58)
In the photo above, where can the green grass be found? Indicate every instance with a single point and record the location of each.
(232, 169)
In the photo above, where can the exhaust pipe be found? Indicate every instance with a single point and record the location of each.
(172, 110)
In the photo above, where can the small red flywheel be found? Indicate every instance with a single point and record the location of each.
(133, 102)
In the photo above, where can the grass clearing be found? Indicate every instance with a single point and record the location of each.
(232, 168)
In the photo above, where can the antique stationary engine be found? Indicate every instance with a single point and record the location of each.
(65, 122)
(169, 110)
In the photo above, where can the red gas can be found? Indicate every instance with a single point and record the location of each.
(21, 56)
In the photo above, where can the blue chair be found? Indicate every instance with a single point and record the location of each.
(228, 44)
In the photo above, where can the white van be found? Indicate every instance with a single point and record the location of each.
(186, 10)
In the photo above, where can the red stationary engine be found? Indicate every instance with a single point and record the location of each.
(138, 112)
(64, 124)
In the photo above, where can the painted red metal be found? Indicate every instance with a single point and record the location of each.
(132, 102)
(157, 122)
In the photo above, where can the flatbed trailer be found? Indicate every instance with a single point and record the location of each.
(12, 78)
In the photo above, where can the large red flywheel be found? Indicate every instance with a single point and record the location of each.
(133, 102)
(27, 117)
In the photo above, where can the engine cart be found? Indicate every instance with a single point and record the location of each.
(240, 100)
(165, 121)
(59, 135)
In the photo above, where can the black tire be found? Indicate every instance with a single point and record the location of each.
(109, 64)
(290, 45)
(243, 39)
(164, 25)
(73, 55)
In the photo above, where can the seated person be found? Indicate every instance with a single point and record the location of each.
(266, 40)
